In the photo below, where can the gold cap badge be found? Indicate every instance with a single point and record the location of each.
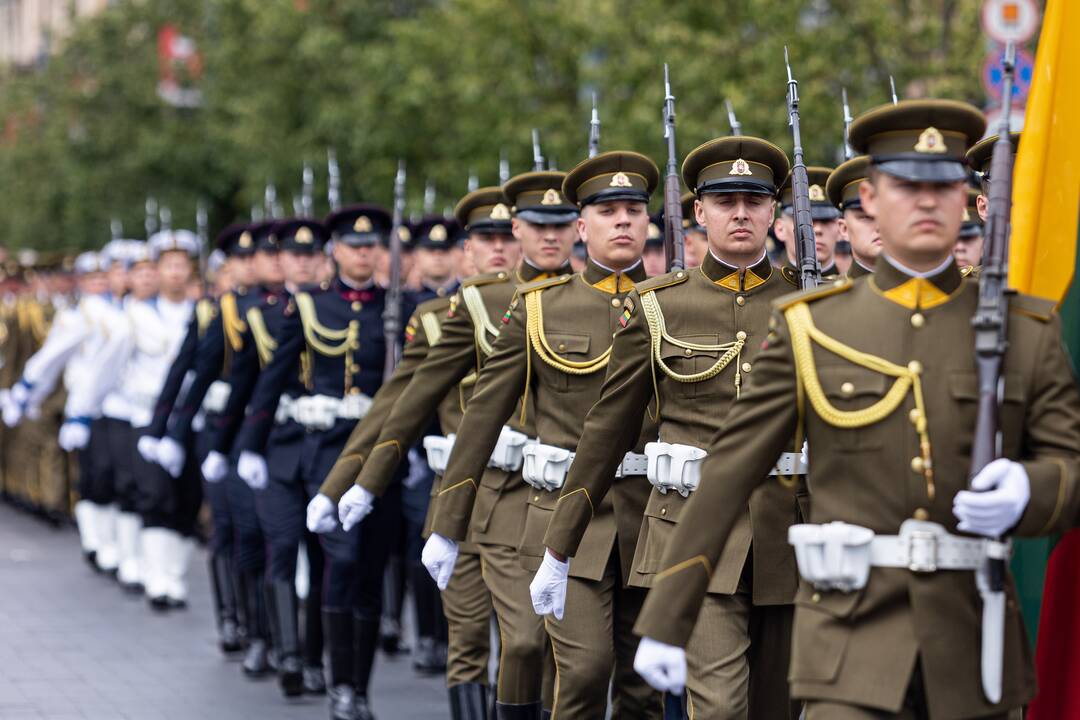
(620, 179)
(967, 215)
(362, 224)
(500, 212)
(816, 193)
(304, 236)
(404, 234)
(740, 167)
(931, 141)
(551, 197)
(438, 233)
(654, 231)
(245, 240)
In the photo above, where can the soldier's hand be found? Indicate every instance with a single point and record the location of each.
(997, 499)
(321, 515)
(171, 455)
(438, 557)
(663, 666)
(147, 447)
(214, 467)
(11, 407)
(354, 506)
(74, 434)
(548, 586)
(251, 467)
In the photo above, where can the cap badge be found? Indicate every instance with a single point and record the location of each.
(245, 240)
(740, 167)
(620, 179)
(304, 236)
(500, 212)
(967, 215)
(362, 224)
(403, 234)
(931, 141)
(438, 233)
(551, 197)
(816, 193)
(654, 231)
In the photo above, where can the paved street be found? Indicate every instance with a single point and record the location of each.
(73, 646)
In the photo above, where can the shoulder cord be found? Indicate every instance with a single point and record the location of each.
(264, 341)
(231, 322)
(482, 325)
(204, 313)
(534, 309)
(432, 328)
(314, 331)
(654, 316)
(804, 332)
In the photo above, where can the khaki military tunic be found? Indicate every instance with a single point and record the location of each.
(857, 270)
(860, 648)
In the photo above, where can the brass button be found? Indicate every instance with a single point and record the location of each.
(847, 388)
(740, 300)
(921, 514)
(740, 335)
(816, 597)
(356, 306)
(680, 275)
(917, 320)
(354, 391)
(616, 302)
(536, 498)
(746, 367)
(562, 347)
(272, 300)
(502, 276)
(915, 416)
(917, 464)
(688, 352)
(840, 282)
(663, 511)
(915, 366)
(354, 368)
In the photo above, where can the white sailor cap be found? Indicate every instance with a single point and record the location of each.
(89, 262)
(167, 240)
(215, 262)
(137, 251)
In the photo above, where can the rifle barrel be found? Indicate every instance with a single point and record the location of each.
(805, 248)
(392, 312)
(674, 242)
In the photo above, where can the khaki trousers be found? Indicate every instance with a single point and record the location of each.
(522, 639)
(820, 710)
(467, 606)
(594, 645)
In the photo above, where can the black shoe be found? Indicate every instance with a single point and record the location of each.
(160, 604)
(135, 588)
(291, 676)
(255, 663)
(314, 680)
(90, 556)
(468, 701)
(362, 708)
(390, 637)
(230, 639)
(342, 703)
(427, 658)
(176, 604)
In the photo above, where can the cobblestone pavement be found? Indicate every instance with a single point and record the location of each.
(73, 646)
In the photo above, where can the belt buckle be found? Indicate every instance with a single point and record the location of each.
(922, 551)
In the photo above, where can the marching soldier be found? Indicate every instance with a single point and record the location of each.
(685, 338)
(334, 339)
(879, 373)
(653, 256)
(826, 227)
(969, 245)
(554, 344)
(697, 242)
(969, 249)
(856, 224)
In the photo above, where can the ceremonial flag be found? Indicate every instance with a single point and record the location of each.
(1043, 262)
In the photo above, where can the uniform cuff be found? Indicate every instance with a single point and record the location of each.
(1051, 493)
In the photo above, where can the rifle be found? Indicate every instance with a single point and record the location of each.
(307, 194)
(116, 229)
(473, 182)
(848, 152)
(392, 313)
(674, 243)
(202, 228)
(150, 221)
(594, 129)
(805, 249)
(892, 90)
(736, 126)
(504, 168)
(270, 203)
(333, 181)
(166, 218)
(538, 157)
(429, 197)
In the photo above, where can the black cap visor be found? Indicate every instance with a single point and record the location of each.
(614, 194)
(562, 216)
(818, 211)
(736, 185)
(359, 239)
(921, 168)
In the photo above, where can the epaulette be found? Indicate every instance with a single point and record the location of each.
(435, 305)
(233, 325)
(543, 284)
(790, 274)
(1031, 306)
(824, 290)
(486, 278)
(662, 281)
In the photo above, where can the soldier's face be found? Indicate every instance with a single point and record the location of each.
(614, 232)
(242, 270)
(268, 268)
(862, 232)
(144, 280)
(117, 279)
(919, 221)
(655, 261)
(173, 272)
(826, 233)
(492, 252)
(300, 268)
(545, 246)
(436, 265)
(94, 283)
(356, 264)
(697, 244)
(736, 224)
(968, 251)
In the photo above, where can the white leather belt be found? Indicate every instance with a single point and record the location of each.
(438, 449)
(507, 455)
(673, 466)
(790, 464)
(320, 412)
(545, 466)
(286, 409)
(217, 397)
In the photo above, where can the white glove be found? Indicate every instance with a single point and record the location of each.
(251, 467)
(663, 666)
(12, 403)
(321, 514)
(996, 502)
(74, 435)
(214, 467)
(354, 506)
(170, 455)
(548, 587)
(147, 447)
(439, 556)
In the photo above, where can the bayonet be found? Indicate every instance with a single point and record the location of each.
(892, 90)
(429, 197)
(848, 152)
(333, 180)
(150, 221)
(594, 129)
(393, 310)
(538, 156)
(504, 168)
(805, 247)
(674, 244)
(736, 126)
(307, 196)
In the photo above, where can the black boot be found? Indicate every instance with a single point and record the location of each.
(338, 634)
(468, 701)
(524, 711)
(366, 637)
(287, 640)
(256, 663)
(224, 596)
(393, 594)
(314, 675)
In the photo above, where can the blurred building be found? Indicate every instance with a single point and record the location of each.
(31, 29)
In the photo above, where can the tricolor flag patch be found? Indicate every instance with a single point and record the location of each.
(627, 312)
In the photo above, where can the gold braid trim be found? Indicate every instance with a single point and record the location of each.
(39, 326)
(320, 337)
(432, 328)
(231, 322)
(482, 325)
(804, 333)
(204, 315)
(534, 309)
(264, 341)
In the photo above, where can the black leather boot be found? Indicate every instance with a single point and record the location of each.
(338, 635)
(468, 701)
(523, 711)
(224, 596)
(287, 642)
(366, 637)
(256, 663)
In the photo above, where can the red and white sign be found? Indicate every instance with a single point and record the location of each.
(179, 66)
(1010, 20)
